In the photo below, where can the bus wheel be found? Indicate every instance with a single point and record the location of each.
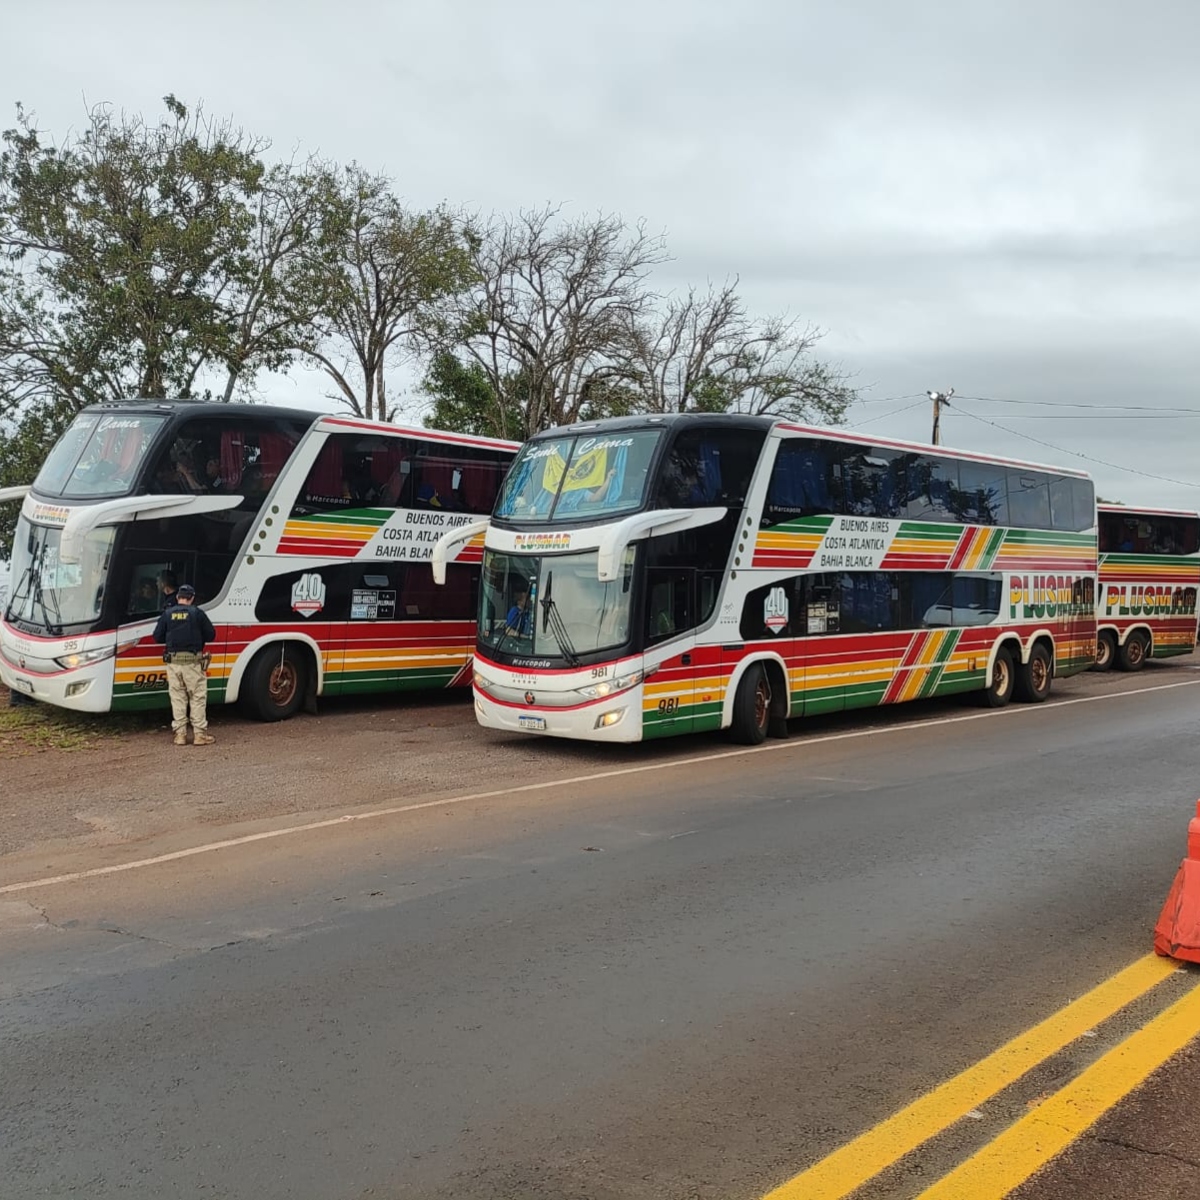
(751, 708)
(273, 687)
(1035, 677)
(1000, 688)
(1106, 651)
(1132, 655)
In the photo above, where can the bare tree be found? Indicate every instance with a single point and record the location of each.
(703, 353)
(548, 317)
(394, 271)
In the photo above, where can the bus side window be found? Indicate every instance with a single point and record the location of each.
(801, 481)
(668, 603)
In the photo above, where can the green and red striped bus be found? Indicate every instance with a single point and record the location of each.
(664, 575)
(1149, 576)
(307, 538)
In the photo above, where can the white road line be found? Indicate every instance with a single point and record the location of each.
(396, 810)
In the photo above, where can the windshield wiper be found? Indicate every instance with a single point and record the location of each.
(20, 591)
(552, 618)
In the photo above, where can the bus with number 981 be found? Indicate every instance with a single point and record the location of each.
(662, 575)
(306, 537)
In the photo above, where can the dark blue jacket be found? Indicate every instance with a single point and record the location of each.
(184, 627)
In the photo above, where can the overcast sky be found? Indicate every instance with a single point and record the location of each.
(996, 197)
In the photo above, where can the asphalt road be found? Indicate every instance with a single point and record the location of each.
(687, 981)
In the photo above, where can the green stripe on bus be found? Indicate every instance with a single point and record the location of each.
(994, 542)
(949, 533)
(1163, 651)
(803, 525)
(348, 516)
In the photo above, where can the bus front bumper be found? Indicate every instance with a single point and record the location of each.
(30, 667)
(616, 718)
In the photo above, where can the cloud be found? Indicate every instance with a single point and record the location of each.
(996, 197)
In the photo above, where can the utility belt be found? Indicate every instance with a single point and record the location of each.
(183, 657)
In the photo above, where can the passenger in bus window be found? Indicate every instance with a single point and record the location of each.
(212, 475)
(358, 484)
(145, 596)
(168, 583)
(429, 497)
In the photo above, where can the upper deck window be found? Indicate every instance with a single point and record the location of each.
(579, 478)
(99, 455)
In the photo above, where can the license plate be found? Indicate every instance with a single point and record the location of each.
(26, 685)
(531, 722)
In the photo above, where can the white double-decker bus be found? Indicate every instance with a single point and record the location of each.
(663, 575)
(1149, 578)
(307, 538)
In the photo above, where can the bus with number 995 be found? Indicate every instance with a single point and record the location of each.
(306, 537)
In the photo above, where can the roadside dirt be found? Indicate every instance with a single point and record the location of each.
(138, 784)
(130, 783)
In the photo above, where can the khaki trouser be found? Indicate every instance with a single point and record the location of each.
(186, 682)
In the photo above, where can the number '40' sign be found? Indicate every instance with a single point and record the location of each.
(775, 610)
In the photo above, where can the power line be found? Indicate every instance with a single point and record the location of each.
(883, 416)
(1151, 416)
(1076, 453)
(889, 399)
(1082, 404)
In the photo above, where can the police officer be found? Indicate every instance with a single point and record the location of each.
(185, 629)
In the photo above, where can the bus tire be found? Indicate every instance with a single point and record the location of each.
(1132, 655)
(1106, 651)
(751, 708)
(274, 684)
(1034, 678)
(1000, 687)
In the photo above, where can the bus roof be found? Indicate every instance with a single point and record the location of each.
(329, 421)
(848, 435)
(193, 407)
(658, 421)
(831, 433)
(1138, 510)
(190, 407)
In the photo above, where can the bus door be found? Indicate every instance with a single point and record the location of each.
(366, 649)
(669, 705)
(850, 645)
(139, 578)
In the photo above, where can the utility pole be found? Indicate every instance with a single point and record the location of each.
(939, 398)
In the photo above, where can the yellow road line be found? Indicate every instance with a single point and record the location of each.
(871, 1152)
(1039, 1136)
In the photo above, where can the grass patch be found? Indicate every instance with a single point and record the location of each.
(36, 727)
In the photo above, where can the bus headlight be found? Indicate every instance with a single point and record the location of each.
(610, 718)
(622, 683)
(85, 658)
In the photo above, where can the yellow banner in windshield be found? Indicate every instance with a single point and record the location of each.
(588, 471)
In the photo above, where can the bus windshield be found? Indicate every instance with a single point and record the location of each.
(579, 478)
(51, 593)
(553, 607)
(99, 455)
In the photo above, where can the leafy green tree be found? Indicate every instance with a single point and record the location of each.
(150, 259)
(123, 238)
(24, 440)
(463, 398)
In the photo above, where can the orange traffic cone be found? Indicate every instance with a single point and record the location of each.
(1177, 934)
